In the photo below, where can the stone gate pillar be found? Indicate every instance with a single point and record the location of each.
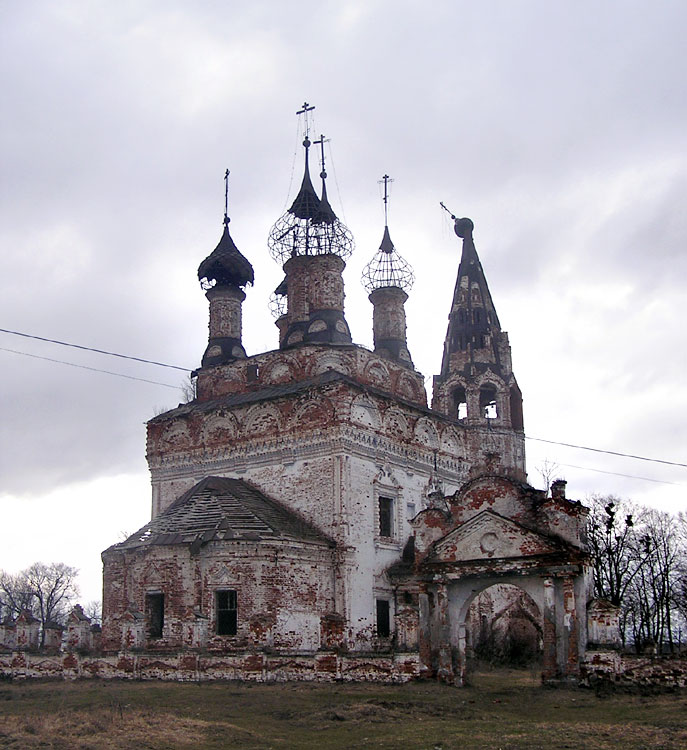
(443, 632)
(550, 668)
(425, 636)
(572, 667)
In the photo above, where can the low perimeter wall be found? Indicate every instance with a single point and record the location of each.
(196, 667)
(627, 669)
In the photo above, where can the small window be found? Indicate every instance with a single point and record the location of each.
(386, 512)
(476, 316)
(226, 612)
(383, 618)
(155, 614)
(251, 373)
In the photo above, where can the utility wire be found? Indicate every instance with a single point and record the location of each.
(187, 369)
(610, 453)
(91, 349)
(628, 476)
(92, 369)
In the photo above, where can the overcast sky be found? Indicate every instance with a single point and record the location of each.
(558, 127)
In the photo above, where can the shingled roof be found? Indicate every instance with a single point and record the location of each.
(221, 509)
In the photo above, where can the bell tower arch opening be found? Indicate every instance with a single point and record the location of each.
(488, 401)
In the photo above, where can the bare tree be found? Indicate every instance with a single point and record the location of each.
(15, 596)
(47, 591)
(94, 611)
(548, 470)
(639, 560)
(654, 596)
(189, 389)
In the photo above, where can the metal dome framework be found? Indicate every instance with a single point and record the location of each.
(310, 226)
(387, 269)
(292, 235)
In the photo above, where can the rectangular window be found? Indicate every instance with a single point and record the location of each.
(155, 614)
(227, 619)
(383, 618)
(386, 514)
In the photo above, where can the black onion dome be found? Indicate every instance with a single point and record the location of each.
(306, 205)
(225, 266)
(326, 213)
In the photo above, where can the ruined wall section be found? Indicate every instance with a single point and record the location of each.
(293, 446)
(327, 453)
(307, 361)
(282, 587)
(557, 517)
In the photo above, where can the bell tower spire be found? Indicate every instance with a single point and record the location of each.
(476, 383)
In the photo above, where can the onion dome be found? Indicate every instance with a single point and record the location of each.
(310, 226)
(387, 268)
(278, 300)
(225, 266)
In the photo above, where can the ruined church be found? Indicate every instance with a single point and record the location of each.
(312, 514)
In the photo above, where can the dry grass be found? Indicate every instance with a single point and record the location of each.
(502, 709)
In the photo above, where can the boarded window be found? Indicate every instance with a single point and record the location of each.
(227, 618)
(155, 614)
(383, 618)
(386, 512)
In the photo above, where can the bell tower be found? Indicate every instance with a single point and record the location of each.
(476, 385)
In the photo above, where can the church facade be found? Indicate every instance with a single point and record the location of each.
(309, 503)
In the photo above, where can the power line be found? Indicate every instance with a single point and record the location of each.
(91, 349)
(610, 453)
(627, 476)
(93, 369)
(186, 369)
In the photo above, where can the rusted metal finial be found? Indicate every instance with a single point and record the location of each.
(306, 133)
(462, 227)
(321, 142)
(226, 198)
(447, 211)
(386, 180)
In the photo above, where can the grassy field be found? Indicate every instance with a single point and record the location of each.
(501, 709)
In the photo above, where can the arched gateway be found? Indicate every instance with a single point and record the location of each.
(498, 530)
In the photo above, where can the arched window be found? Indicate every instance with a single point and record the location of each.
(460, 403)
(487, 401)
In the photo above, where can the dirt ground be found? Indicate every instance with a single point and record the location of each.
(500, 710)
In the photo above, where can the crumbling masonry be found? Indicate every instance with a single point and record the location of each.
(312, 517)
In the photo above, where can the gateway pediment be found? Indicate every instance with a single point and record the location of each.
(489, 535)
